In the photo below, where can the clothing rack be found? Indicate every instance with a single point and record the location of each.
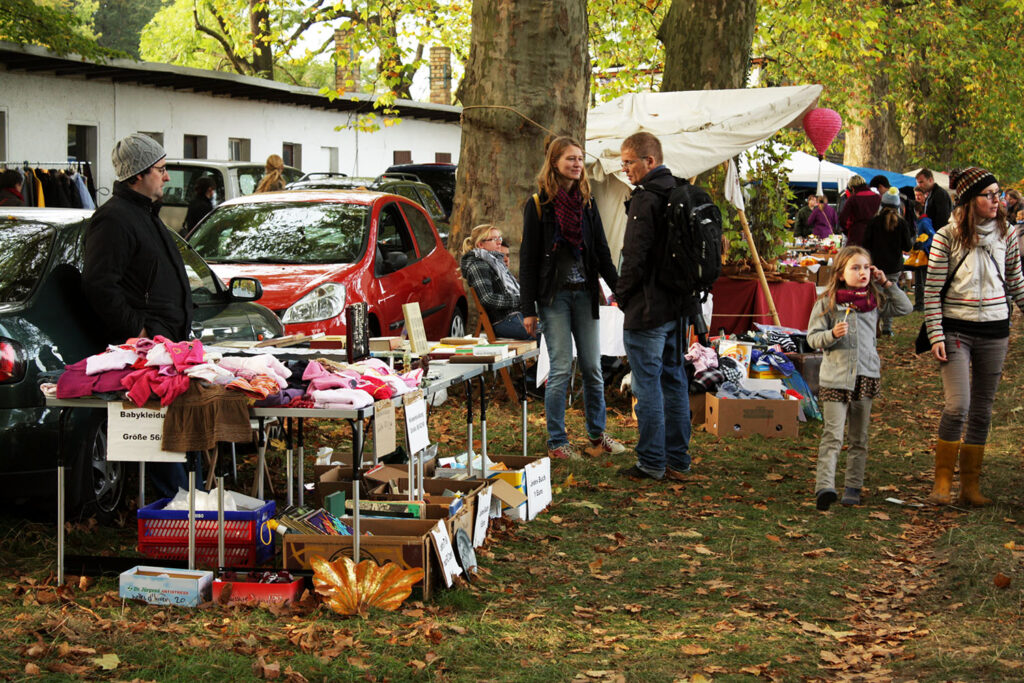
(32, 164)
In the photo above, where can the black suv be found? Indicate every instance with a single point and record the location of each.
(440, 177)
(46, 323)
(402, 184)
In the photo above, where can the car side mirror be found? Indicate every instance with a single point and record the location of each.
(245, 289)
(395, 260)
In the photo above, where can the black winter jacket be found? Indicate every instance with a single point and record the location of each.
(644, 303)
(197, 210)
(134, 275)
(886, 248)
(538, 263)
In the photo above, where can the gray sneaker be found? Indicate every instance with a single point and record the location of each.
(850, 496)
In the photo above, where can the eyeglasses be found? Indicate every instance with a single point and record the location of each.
(160, 169)
(626, 163)
(991, 196)
(491, 239)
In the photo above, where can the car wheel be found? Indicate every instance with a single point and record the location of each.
(457, 328)
(107, 477)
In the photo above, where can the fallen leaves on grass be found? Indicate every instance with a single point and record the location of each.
(1001, 580)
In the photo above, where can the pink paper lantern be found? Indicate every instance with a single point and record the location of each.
(822, 125)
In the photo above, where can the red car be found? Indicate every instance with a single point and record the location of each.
(317, 251)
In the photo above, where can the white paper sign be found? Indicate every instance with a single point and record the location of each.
(135, 434)
(416, 423)
(483, 517)
(383, 428)
(445, 552)
(538, 487)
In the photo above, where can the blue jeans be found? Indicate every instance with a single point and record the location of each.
(662, 399)
(511, 327)
(567, 318)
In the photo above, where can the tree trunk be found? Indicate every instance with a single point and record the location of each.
(530, 56)
(262, 50)
(707, 44)
(873, 135)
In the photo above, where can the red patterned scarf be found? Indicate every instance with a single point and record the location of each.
(860, 298)
(569, 217)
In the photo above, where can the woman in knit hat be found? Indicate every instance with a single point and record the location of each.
(886, 237)
(974, 270)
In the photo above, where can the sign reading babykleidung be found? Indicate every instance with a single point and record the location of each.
(135, 434)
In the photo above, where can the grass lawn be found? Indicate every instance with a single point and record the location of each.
(732, 575)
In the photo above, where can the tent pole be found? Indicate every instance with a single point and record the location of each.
(757, 265)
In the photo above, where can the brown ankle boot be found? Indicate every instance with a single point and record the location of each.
(970, 475)
(945, 459)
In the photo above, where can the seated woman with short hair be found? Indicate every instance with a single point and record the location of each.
(483, 265)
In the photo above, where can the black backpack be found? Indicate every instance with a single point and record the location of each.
(692, 258)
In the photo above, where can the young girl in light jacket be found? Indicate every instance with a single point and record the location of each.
(969, 325)
(843, 325)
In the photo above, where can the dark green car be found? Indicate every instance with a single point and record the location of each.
(46, 323)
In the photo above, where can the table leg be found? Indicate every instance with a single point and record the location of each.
(483, 428)
(289, 476)
(191, 458)
(142, 483)
(522, 393)
(358, 440)
(261, 458)
(355, 518)
(61, 512)
(300, 451)
(220, 522)
(469, 426)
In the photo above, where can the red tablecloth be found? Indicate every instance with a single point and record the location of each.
(793, 301)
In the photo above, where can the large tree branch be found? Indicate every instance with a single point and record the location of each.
(241, 66)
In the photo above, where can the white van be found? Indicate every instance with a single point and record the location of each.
(232, 179)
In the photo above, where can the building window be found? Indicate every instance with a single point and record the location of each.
(402, 156)
(159, 137)
(332, 158)
(82, 143)
(238, 149)
(291, 152)
(195, 147)
(443, 157)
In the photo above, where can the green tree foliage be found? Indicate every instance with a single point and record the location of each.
(292, 42)
(119, 23)
(625, 53)
(922, 82)
(64, 26)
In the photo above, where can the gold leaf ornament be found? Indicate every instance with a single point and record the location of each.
(349, 588)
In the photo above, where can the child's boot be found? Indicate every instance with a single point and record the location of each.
(970, 475)
(945, 459)
(851, 496)
(823, 499)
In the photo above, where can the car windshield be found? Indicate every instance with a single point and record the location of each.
(24, 251)
(280, 232)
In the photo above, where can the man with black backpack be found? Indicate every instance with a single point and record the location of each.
(655, 317)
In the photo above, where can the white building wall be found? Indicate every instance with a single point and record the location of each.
(40, 106)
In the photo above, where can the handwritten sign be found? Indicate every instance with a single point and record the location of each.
(538, 487)
(445, 552)
(483, 517)
(135, 434)
(383, 428)
(416, 421)
(414, 326)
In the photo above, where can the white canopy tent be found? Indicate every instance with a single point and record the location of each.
(802, 170)
(698, 130)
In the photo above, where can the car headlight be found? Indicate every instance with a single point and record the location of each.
(323, 303)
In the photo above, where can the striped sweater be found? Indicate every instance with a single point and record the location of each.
(976, 293)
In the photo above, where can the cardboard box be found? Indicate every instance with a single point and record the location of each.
(772, 373)
(743, 417)
(697, 408)
(434, 490)
(243, 591)
(403, 541)
(162, 586)
(531, 476)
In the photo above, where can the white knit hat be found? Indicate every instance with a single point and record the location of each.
(134, 154)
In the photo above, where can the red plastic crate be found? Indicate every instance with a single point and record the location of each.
(157, 525)
(163, 534)
(206, 555)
